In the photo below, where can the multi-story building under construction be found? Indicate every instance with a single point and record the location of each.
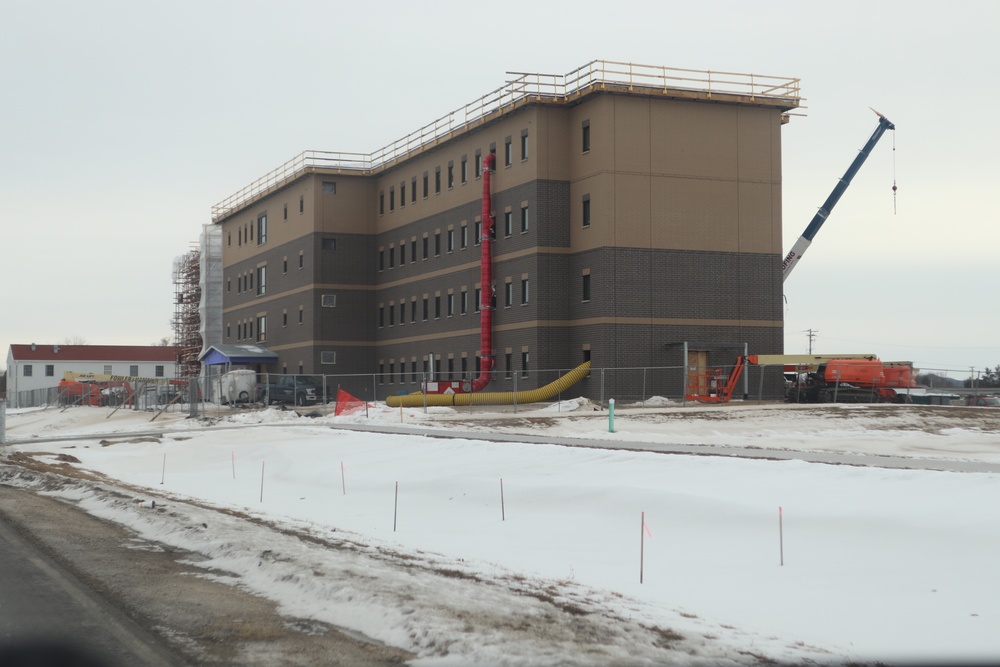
(637, 208)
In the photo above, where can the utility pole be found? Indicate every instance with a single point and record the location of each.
(811, 334)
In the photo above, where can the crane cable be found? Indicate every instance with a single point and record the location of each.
(894, 173)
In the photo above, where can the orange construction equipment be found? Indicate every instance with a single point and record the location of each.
(841, 378)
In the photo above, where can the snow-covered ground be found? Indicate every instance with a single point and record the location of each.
(466, 551)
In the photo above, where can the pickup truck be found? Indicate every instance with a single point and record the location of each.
(293, 389)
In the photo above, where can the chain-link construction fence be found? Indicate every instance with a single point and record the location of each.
(639, 387)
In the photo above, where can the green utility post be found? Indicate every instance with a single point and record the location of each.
(611, 415)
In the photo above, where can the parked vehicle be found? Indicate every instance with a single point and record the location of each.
(984, 401)
(239, 386)
(293, 390)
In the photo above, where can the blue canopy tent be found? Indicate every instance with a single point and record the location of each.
(239, 355)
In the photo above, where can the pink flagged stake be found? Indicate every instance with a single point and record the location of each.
(395, 508)
(642, 545)
(781, 538)
(503, 512)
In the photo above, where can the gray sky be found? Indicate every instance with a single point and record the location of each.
(124, 122)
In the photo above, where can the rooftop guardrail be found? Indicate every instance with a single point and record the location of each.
(525, 87)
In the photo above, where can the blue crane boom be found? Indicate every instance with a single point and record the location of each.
(799, 249)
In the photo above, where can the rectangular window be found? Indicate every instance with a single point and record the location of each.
(284, 319)
(426, 309)
(381, 373)
(508, 294)
(133, 370)
(381, 260)
(327, 357)
(524, 364)
(508, 365)
(451, 368)
(262, 328)
(413, 190)
(478, 236)
(381, 316)
(284, 265)
(437, 306)
(392, 199)
(302, 203)
(586, 287)
(508, 223)
(302, 260)
(437, 244)
(506, 152)
(413, 370)
(413, 250)
(262, 229)
(402, 195)
(451, 175)
(437, 180)
(107, 369)
(451, 240)
(479, 298)
(464, 171)
(392, 314)
(284, 212)
(586, 210)
(463, 302)
(402, 253)
(425, 185)
(586, 136)
(392, 257)
(413, 311)
(50, 370)
(479, 164)
(524, 145)
(158, 371)
(464, 237)
(261, 280)
(402, 313)
(328, 300)
(451, 305)
(301, 315)
(524, 219)
(426, 246)
(524, 291)
(381, 203)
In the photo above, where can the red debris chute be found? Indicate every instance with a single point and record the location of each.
(487, 358)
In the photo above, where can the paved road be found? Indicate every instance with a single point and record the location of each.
(829, 458)
(45, 609)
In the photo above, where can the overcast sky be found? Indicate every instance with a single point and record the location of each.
(124, 122)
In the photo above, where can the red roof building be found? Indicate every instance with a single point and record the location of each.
(33, 367)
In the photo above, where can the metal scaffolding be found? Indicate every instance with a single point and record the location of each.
(187, 319)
